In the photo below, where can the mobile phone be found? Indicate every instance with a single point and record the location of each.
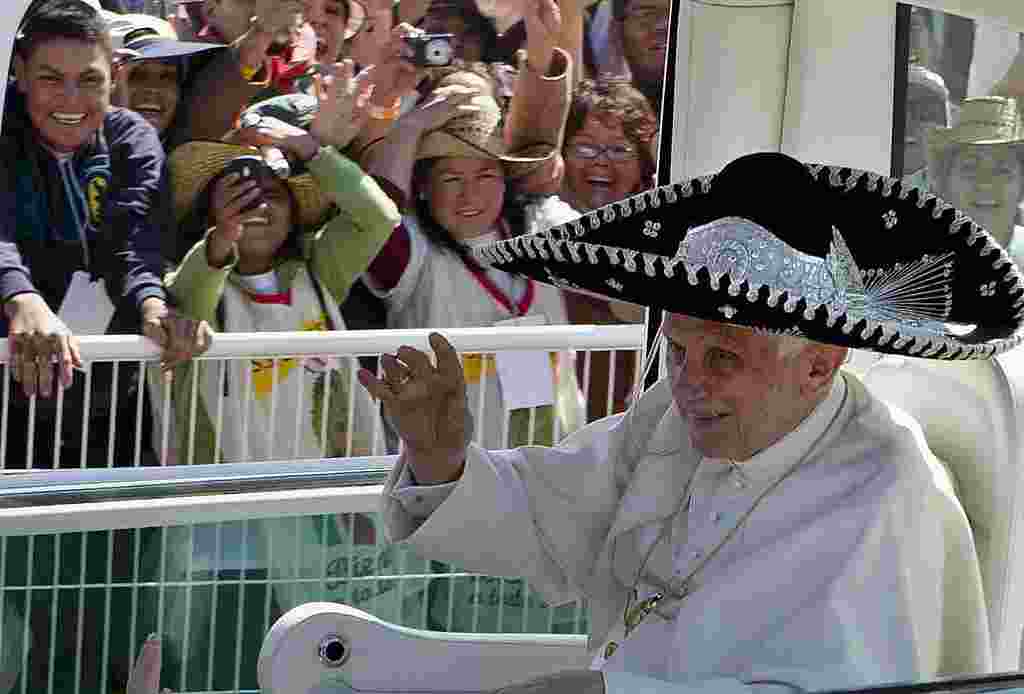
(430, 50)
(248, 167)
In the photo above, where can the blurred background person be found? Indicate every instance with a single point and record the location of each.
(978, 166)
(151, 67)
(608, 152)
(221, 84)
(927, 107)
(458, 176)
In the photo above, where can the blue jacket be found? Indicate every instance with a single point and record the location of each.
(128, 208)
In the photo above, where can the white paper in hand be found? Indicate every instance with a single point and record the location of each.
(86, 308)
(526, 377)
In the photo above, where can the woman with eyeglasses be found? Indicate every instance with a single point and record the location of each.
(608, 149)
(608, 155)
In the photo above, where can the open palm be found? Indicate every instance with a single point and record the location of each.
(344, 105)
(426, 403)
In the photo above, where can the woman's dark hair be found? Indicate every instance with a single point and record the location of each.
(476, 23)
(47, 20)
(614, 100)
(512, 212)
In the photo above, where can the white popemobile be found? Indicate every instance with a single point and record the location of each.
(817, 80)
(814, 79)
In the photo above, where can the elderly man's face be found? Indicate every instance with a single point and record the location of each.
(737, 392)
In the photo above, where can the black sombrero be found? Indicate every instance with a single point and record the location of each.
(828, 253)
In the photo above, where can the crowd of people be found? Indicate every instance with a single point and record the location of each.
(966, 149)
(316, 165)
(372, 174)
(280, 165)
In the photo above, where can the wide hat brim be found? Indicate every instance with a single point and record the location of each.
(158, 48)
(194, 165)
(831, 254)
(441, 143)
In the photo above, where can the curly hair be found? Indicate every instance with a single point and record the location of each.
(614, 100)
(475, 22)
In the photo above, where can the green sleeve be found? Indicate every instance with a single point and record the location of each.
(197, 287)
(342, 249)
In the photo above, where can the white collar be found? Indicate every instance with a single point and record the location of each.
(773, 461)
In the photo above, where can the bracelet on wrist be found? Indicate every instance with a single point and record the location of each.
(387, 112)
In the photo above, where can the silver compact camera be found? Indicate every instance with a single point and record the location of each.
(430, 50)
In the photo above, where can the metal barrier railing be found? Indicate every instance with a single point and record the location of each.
(93, 560)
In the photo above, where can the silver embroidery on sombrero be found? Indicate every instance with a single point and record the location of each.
(916, 295)
(792, 331)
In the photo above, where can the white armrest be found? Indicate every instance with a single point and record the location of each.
(323, 647)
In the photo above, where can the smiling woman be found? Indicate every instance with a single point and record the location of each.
(151, 67)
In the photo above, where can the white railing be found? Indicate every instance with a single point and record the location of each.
(91, 561)
(221, 397)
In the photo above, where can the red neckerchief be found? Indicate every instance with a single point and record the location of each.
(515, 308)
(280, 298)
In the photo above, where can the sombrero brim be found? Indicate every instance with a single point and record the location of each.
(892, 269)
(194, 165)
(441, 143)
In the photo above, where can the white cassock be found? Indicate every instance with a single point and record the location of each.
(859, 568)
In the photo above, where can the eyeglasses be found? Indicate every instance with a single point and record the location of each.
(613, 152)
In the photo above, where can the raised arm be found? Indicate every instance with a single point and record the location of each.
(540, 513)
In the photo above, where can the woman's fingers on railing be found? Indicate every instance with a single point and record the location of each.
(180, 336)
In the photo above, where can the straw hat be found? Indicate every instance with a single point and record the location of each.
(984, 121)
(476, 131)
(195, 165)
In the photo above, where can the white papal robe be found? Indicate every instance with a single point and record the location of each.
(858, 569)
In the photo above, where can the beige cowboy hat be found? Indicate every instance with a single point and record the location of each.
(984, 121)
(476, 130)
(194, 165)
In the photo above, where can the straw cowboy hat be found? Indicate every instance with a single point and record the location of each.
(984, 121)
(476, 131)
(196, 165)
(827, 253)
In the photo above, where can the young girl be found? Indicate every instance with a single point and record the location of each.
(278, 267)
(275, 269)
(448, 160)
